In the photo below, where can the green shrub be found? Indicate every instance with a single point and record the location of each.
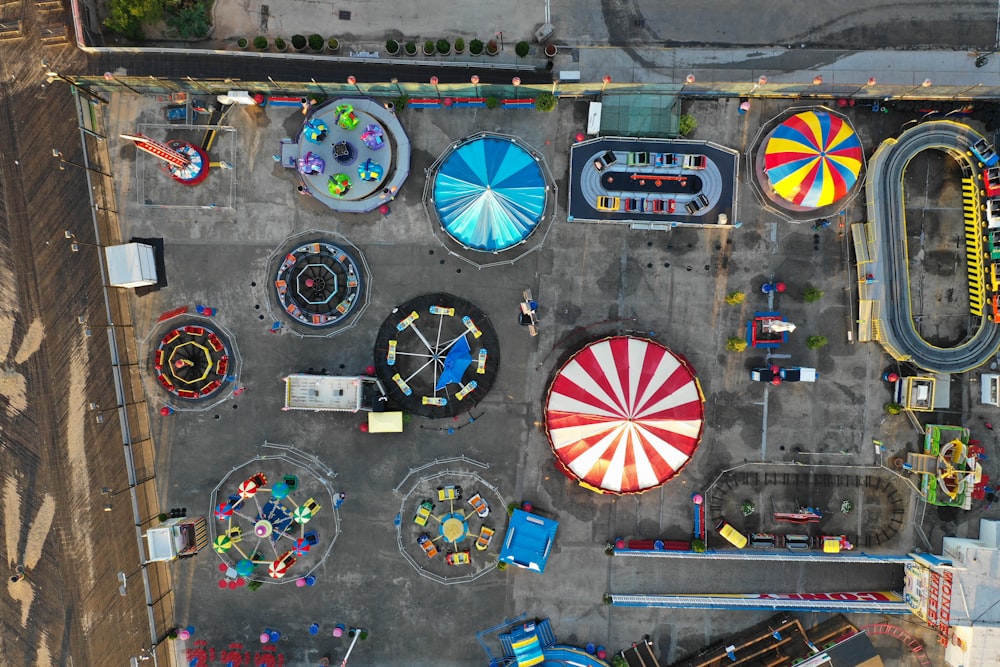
(127, 16)
(410, 48)
(735, 298)
(298, 42)
(475, 47)
(428, 48)
(260, 42)
(190, 21)
(546, 101)
(501, 565)
(254, 585)
(392, 46)
(492, 102)
(892, 408)
(736, 344)
(522, 49)
(315, 42)
(459, 45)
(243, 42)
(333, 43)
(816, 342)
(812, 294)
(687, 124)
(698, 546)
(280, 44)
(443, 47)
(747, 508)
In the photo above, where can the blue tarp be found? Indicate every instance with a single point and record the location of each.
(528, 542)
(489, 194)
(455, 362)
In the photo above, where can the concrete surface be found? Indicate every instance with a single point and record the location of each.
(590, 281)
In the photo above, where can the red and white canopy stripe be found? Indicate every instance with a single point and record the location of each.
(624, 415)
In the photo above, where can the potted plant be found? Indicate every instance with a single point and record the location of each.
(333, 45)
(551, 50)
(280, 44)
(391, 47)
(698, 546)
(502, 565)
(410, 49)
(315, 42)
(522, 49)
(298, 42)
(491, 48)
(260, 42)
(243, 43)
(443, 47)
(846, 507)
(747, 508)
(459, 45)
(476, 47)
(429, 48)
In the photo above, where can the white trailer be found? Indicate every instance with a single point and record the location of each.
(176, 538)
(330, 393)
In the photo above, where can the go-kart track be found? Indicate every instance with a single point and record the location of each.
(889, 284)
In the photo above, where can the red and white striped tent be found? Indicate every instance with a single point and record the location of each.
(624, 415)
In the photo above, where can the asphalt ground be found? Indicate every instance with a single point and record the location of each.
(590, 281)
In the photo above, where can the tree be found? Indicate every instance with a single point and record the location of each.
(816, 342)
(190, 21)
(735, 298)
(736, 344)
(687, 124)
(127, 16)
(812, 294)
(546, 101)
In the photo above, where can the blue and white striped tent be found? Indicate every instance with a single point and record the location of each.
(489, 193)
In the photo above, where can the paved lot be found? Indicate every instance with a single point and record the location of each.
(590, 281)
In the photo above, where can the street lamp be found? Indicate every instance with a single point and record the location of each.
(354, 82)
(926, 83)
(500, 37)
(394, 81)
(318, 86)
(434, 82)
(475, 82)
(57, 154)
(817, 80)
(76, 243)
(51, 76)
(689, 79)
(356, 633)
(604, 83)
(517, 82)
(108, 76)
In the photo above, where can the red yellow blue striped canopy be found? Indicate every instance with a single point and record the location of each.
(624, 415)
(813, 159)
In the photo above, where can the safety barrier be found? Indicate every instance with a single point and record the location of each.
(974, 246)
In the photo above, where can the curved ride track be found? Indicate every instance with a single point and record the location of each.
(886, 212)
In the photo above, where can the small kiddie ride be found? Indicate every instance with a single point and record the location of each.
(985, 153)
(484, 539)
(480, 506)
(427, 545)
(450, 492)
(459, 557)
(423, 513)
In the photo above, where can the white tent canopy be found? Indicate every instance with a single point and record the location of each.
(131, 265)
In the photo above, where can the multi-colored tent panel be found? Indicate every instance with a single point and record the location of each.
(489, 193)
(813, 159)
(624, 415)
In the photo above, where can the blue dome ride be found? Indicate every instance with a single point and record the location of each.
(489, 193)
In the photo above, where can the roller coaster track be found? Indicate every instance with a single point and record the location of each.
(889, 284)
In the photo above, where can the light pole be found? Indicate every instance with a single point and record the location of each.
(318, 86)
(761, 81)
(52, 76)
(394, 81)
(356, 633)
(56, 153)
(108, 76)
(517, 82)
(434, 82)
(500, 37)
(354, 82)
(76, 243)
(604, 83)
(475, 82)
(926, 83)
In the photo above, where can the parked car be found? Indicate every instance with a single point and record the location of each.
(608, 203)
(605, 161)
(790, 374)
(733, 536)
(992, 182)
(762, 540)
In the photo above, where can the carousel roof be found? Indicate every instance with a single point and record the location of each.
(624, 415)
(813, 159)
(489, 193)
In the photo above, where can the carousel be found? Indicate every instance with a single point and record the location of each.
(437, 355)
(193, 361)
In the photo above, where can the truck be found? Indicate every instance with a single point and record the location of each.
(331, 393)
(180, 537)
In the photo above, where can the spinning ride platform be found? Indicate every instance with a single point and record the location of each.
(437, 355)
(319, 284)
(193, 360)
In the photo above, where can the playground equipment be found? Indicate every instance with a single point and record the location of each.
(321, 284)
(193, 362)
(766, 330)
(186, 163)
(949, 472)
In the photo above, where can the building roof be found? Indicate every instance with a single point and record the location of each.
(976, 576)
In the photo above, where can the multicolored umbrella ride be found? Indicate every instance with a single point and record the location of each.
(624, 415)
(813, 159)
(222, 544)
(489, 193)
